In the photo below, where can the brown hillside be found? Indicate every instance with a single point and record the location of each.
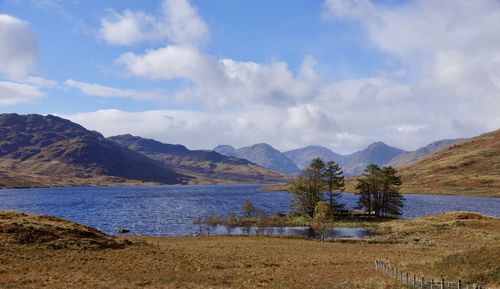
(38, 150)
(51, 232)
(467, 168)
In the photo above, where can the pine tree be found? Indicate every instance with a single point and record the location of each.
(368, 188)
(393, 201)
(308, 187)
(378, 191)
(334, 178)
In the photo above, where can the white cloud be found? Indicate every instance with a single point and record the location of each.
(178, 22)
(92, 89)
(447, 85)
(129, 28)
(198, 129)
(224, 81)
(18, 55)
(449, 50)
(185, 26)
(170, 62)
(18, 46)
(12, 93)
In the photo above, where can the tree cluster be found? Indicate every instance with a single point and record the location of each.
(378, 190)
(313, 181)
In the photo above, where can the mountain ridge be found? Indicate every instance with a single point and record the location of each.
(262, 154)
(55, 149)
(411, 157)
(467, 167)
(207, 166)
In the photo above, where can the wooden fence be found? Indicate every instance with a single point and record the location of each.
(413, 281)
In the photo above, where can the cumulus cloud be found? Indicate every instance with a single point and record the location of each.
(197, 129)
(178, 22)
(18, 55)
(449, 51)
(92, 89)
(219, 82)
(13, 93)
(447, 84)
(18, 47)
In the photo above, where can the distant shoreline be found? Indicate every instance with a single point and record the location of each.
(350, 189)
(264, 187)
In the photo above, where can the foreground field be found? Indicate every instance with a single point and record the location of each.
(464, 246)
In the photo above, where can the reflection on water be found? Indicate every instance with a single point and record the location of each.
(170, 210)
(289, 231)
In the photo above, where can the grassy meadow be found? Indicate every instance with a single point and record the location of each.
(46, 252)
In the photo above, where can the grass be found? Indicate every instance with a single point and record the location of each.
(422, 246)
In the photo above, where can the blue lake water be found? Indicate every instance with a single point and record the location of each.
(170, 210)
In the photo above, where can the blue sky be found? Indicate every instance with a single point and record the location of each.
(338, 73)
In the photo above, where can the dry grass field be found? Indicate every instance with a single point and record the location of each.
(457, 245)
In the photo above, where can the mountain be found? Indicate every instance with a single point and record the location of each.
(49, 150)
(203, 166)
(469, 167)
(408, 158)
(352, 164)
(261, 154)
(302, 157)
(226, 150)
(377, 153)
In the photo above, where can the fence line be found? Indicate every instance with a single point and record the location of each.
(421, 282)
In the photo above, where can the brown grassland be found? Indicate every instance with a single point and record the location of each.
(46, 252)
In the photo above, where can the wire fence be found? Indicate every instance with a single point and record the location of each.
(414, 281)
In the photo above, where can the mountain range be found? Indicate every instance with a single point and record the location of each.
(261, 154)
(37, 151)
(40, 150)
(207, 167)
(353, 164)
(295, 160)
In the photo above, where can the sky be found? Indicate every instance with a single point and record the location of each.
(336, 73)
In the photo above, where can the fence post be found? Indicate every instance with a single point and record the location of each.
(442, 283)
(414, 280)
(401, 277)
(459, 284)
(432, 283)
(407, 278)
(422, 282)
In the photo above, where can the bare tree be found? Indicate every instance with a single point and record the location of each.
(230, 222)
(248, 209)
(211, 221)
(322, 222)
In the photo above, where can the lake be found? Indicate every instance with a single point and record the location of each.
(170, 210)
